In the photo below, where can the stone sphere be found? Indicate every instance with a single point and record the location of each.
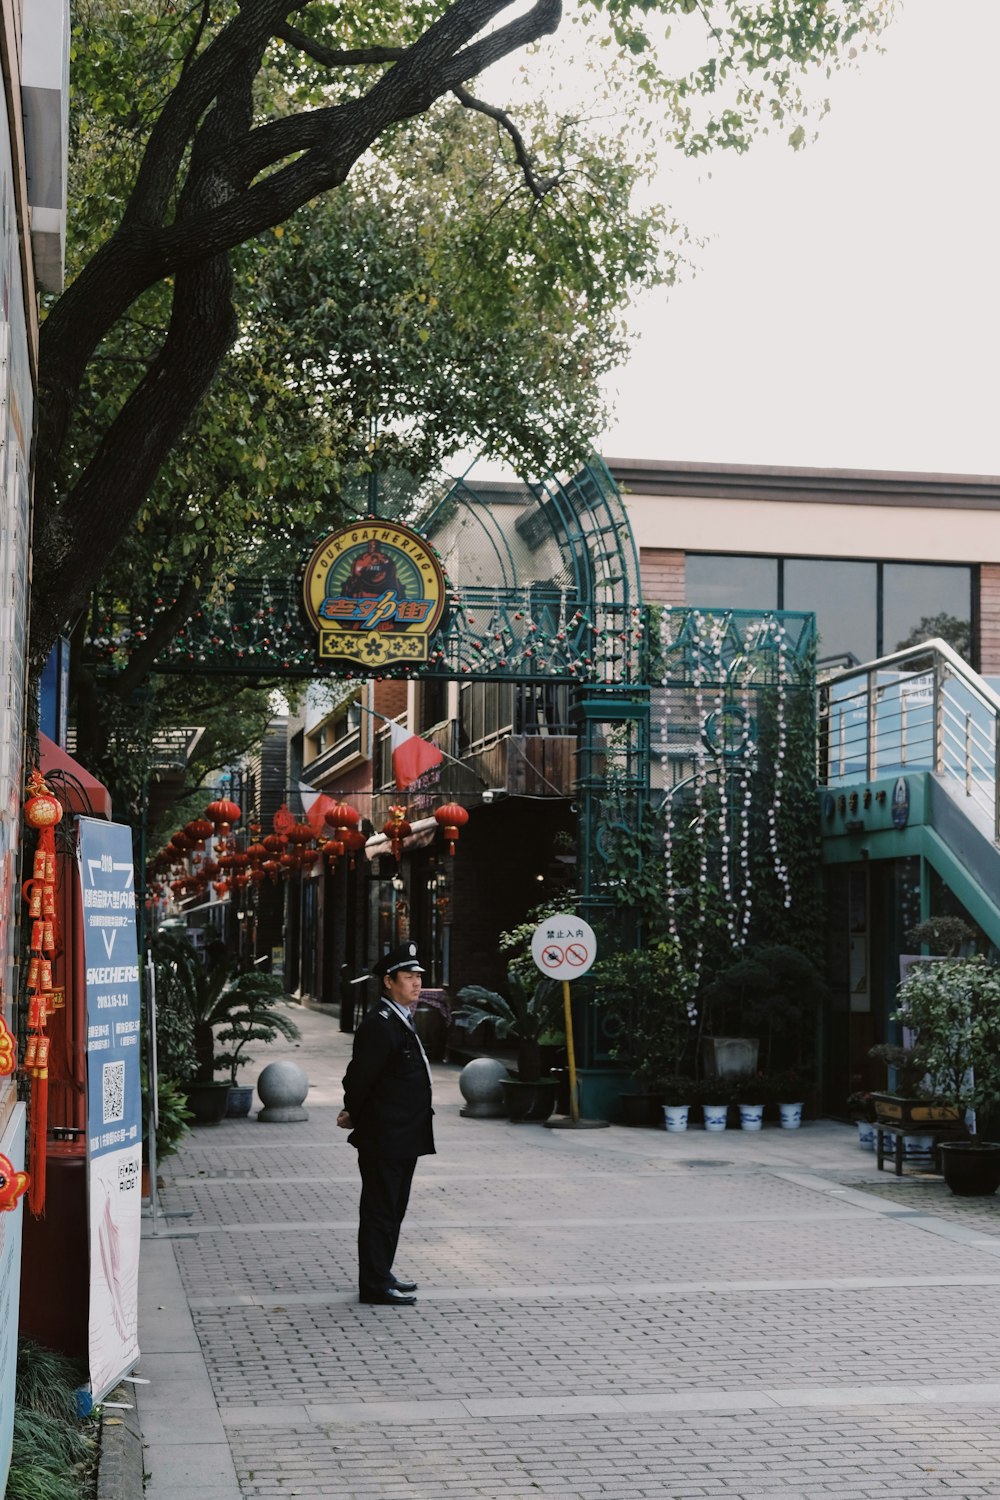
(282, 1087)
(481, 1082)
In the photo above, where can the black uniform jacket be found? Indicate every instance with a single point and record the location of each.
(387, 1092)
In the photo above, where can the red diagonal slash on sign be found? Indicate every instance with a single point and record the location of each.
(552, 956)
(576, 954)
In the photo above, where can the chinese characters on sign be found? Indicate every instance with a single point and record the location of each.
(114, 1099)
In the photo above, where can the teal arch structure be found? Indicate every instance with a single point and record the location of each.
(543, 582)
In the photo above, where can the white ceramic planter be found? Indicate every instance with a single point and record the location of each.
(918, 1148)
(675, 1116)
(791, 1116)
(715, 1116)
(866, 1135)
(751, 1116)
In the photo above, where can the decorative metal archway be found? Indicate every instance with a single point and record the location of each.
(543, 585)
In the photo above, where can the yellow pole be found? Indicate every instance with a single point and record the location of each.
(574, 1107)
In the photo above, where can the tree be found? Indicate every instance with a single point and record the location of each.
(957, 633)
(247, 112)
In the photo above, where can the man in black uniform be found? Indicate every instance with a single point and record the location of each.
(387, 1108)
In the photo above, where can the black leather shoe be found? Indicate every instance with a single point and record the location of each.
(403, 1286)
(391, 1297)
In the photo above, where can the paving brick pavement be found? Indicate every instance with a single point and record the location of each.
(613, 1313)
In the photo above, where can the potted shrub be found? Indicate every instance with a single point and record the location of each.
(951, 1006)
(525, 1017)
(173, 1123)
(762, 1008)
(678, 1094)
(646, 998)
(751, 1094)
(251, 1016)
(715, 1096)
(220, 1004)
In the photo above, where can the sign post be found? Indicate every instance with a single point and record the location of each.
(564, 947)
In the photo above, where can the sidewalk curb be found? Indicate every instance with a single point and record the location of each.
(120, 1467)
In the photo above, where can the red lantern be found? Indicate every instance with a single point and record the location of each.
(41, 810)
(223, 814)
(198, 830)
(353, 840)
(256, 854)
(343, 815)
(451, 819)
(299, 833)
(274, 843)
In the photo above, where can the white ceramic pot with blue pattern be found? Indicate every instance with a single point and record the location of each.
(715, 1116)
(791, 1116)
(751, 1116)
(675, 1116)
(866, 1135)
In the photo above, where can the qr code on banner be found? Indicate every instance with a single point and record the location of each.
(114, 1091)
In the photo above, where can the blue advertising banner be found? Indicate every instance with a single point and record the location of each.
(114, 1098)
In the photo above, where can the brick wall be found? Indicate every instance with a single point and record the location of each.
(390, 699)
(662, 573)
(989, 619)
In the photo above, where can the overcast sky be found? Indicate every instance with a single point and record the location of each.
(846, 312)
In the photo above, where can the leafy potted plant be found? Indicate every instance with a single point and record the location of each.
(715, 1096)
(914, 1099)
(763, 1007)
(524, 1016)
(646, 997)
(173, 1123)
(215, 999)
(951, 1006)
(251, 1016)
(678, 1094)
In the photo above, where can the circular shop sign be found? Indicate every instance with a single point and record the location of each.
(375, 593)
(563, 947)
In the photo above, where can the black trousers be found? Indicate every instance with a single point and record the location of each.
(385, 1192)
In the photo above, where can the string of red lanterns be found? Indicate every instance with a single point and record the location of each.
(292, 847)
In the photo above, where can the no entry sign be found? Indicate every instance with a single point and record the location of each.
(563, 947)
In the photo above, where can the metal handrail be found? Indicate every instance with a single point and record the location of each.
(871, 724)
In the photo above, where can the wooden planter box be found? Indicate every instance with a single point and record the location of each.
(893, 1109)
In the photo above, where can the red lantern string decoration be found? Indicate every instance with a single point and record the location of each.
(198, 830)
(451, 818)
(344, 820)
(396, 829)
(42, 811)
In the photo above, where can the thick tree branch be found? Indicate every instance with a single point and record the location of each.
(162, 631)
(230, 195)
(332, 57)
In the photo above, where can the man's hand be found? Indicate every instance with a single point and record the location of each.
(344, 1120)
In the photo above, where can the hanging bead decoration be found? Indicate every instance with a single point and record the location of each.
(42, 811)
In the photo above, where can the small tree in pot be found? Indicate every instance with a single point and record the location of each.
(221, 1005)
(525, 1017)
(952, 1007)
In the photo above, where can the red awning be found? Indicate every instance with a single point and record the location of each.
(74, 786)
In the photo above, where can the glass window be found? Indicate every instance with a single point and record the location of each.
(921, 600)
(844, 599)
(718, 581)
